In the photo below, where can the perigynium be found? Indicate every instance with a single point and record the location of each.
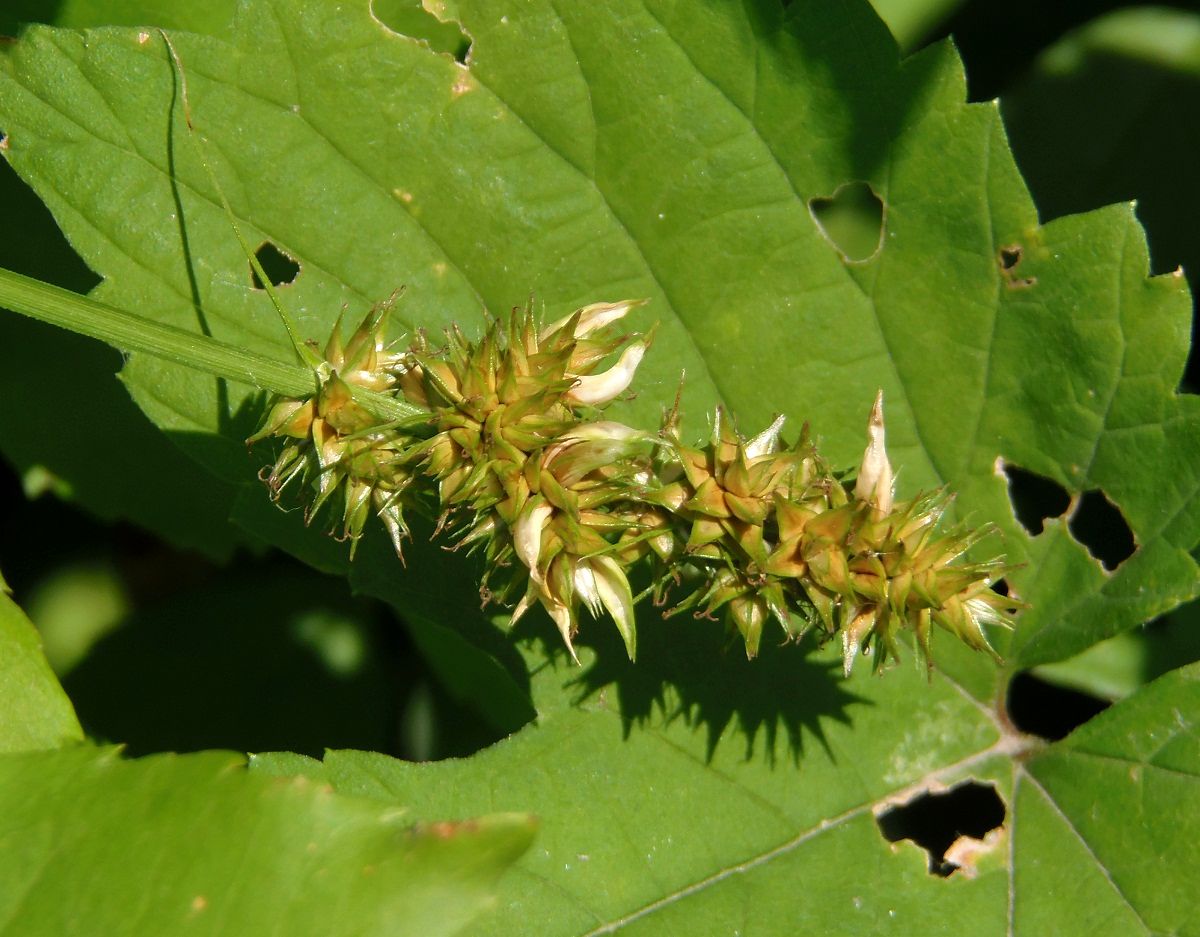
(517, 462)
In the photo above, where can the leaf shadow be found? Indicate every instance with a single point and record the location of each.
(224, 453)
(848, 50)
(177, 113)
(19, 15)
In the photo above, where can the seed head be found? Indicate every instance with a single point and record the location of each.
(519, 465)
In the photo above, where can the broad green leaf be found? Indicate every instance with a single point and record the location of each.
(662, 828)
(1125, 83)
(36, 711)
(655, 788)
(1118, 804)
(93, 844)
(658, 152)
(684, 154)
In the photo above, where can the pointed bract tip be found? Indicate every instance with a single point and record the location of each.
(849, 652)
(564, 620)
(593, 317)
(767, 441)
(876, 481)
(527, 534)
(597, 389)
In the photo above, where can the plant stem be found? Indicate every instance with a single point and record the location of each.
(128, 332)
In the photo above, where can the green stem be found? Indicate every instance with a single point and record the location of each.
(129, 333)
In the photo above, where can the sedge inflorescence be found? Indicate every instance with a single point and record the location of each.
(515, 459)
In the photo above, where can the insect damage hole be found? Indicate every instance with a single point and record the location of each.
(1009, 258)
(280, 268)
(851, 220)
(429, 25)
(1098, 524)
(938, 821)
(1035, 498)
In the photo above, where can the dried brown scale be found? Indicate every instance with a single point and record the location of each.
(517, 461)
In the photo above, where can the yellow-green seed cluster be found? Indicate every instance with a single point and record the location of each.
(516, 460)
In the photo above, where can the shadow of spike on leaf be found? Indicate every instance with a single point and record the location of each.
(691, 670)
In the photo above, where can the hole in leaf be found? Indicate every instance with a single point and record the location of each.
(410, 18)
(934, 821)
(1010, 256)
(3, 140)
(1098, 524)
(278, 266)
(851, 220)
(1047, 710)
(1035, 498)
(1001, 586)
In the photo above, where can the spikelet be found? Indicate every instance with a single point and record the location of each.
(517, 463)
(336, 450)
(524, 471)
(778, 536)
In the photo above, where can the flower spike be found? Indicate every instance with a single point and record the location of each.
(518, 463)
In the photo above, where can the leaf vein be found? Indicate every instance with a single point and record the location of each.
(1088, 849)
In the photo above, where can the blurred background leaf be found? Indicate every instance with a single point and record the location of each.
(37, 713)
(97, 844)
